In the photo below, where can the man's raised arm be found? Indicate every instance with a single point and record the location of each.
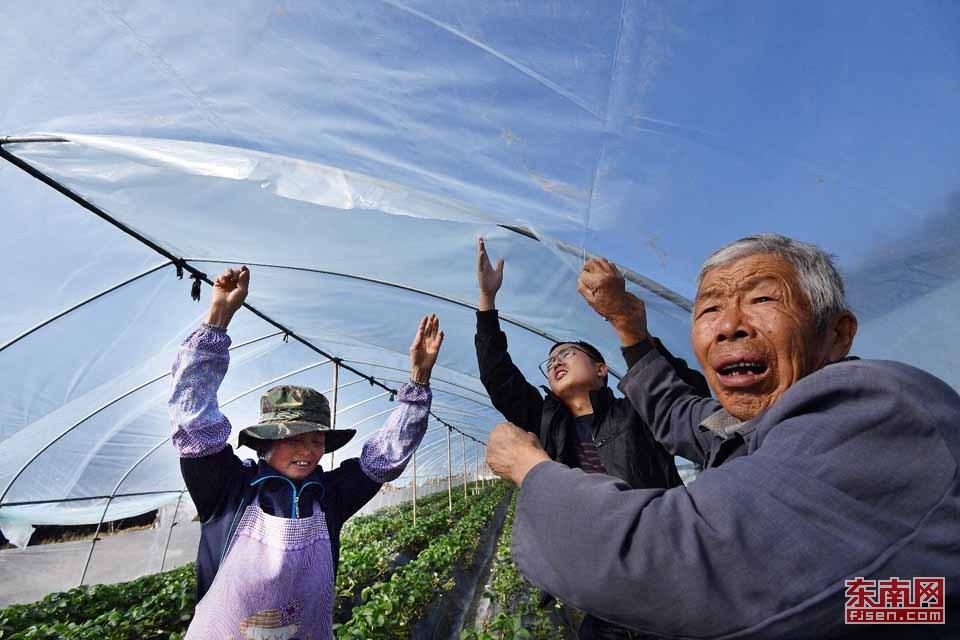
(511, 394)
(673, 405)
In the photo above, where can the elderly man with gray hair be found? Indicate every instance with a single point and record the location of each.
(828, 482)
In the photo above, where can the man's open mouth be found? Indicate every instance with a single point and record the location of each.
(301, 463)
(741, 372)
(559, 373)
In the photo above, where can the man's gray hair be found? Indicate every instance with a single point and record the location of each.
(819, 278)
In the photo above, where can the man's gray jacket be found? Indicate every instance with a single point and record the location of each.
(853, 472)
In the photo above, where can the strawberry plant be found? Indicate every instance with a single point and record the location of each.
(154, 607)
(391, 606)
(370, 551)
(516, 602)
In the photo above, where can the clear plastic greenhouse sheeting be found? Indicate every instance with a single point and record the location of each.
(111, 436)
(169, 543)
(111, 415)
(622, 126)
(351, 152)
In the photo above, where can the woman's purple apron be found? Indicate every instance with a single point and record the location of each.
(275, 583)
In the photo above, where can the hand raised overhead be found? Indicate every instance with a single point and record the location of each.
(602, 285)
(425, 348)
(229, 291)
(488, 278)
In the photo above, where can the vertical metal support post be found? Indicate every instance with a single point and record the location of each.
(476, 465)
(449, 471)
(93, 544)
(463, 454)
(333, 409)
(414, 486)
(481, 468)
(173, 523)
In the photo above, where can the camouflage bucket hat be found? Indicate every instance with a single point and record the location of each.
(287, 411)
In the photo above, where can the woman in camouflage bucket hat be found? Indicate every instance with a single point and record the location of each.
(271, 529)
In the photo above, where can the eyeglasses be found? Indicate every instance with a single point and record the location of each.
(560, 356)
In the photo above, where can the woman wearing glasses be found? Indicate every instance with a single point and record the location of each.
(579, 421)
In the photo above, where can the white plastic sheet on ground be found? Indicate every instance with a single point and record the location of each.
(351, 152)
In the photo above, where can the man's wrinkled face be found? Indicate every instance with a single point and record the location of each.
(754, 333)
(570, 368)
(297, 457)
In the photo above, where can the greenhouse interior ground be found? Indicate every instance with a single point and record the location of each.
(351, 153)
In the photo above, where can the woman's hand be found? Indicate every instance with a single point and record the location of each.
(424, 350)
(229, 291)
